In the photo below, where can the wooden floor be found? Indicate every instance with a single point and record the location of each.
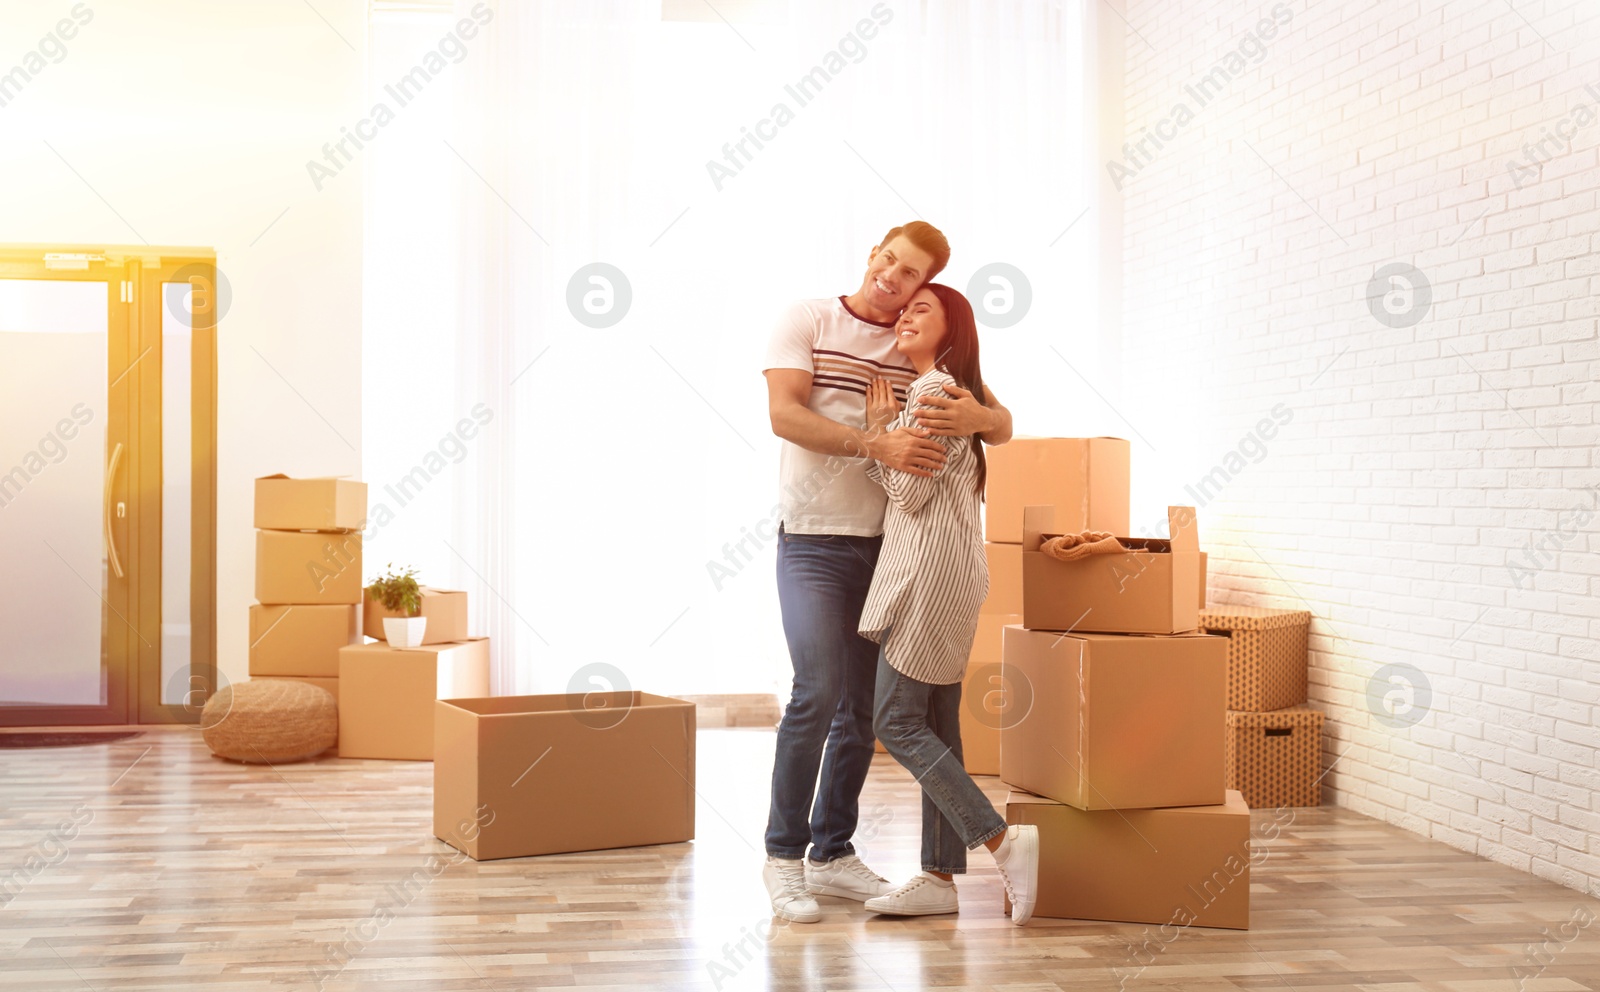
(160, 867)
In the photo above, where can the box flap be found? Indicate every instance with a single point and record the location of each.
(276, 475)
(1183, 529)
(1037, 521)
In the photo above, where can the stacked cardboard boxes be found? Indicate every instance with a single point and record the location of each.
(1274, 752)
(1111, 737)
(1087, 478)
(308, 577)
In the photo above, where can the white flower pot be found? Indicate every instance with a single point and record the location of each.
(404, 632)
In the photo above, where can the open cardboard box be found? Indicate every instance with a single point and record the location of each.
(1184, 866)
(515, 776)
(444, 609)
(386, 706)
(1156, 589)
(1115, 721)
(1087, 477)
(325, 504)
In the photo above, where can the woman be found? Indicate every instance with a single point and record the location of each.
(922, 610)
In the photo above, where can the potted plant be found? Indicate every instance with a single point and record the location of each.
(399, 593)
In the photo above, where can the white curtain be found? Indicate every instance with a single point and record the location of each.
(615, 511)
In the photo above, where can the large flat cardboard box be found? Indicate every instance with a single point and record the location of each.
(515, 776)
(325, 504)
(300, 640)
(1005, 579)
(445, 610)
(985, 701)
(1114, 721)
(1152, 590)
(386, 709)
(306, 569)
(1185, 866)
(1087, 477)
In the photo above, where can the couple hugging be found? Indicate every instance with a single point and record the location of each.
(881, 573)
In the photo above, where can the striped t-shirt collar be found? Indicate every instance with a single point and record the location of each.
(844, 301)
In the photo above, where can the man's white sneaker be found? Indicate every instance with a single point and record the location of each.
(786, 884)
(924, 895)
(1020, 870)
(847, 877)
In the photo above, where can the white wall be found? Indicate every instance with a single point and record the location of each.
(619, 471)
(193, 121)
(1418, 462)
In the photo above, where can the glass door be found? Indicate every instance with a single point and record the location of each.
(63, 606)
(97, 625)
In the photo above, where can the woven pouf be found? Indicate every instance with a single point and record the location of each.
(270, 720)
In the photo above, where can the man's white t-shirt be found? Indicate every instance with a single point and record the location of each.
(831, 494)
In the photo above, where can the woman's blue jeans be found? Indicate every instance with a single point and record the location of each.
(920, 725)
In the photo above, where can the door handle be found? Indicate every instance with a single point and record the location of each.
(111, 537)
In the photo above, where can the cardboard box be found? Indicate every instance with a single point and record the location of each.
(324, 504)
(1005, 579)
(299, 568)
(1267, 655)
(1275, 758)
(386, 709)
(1113, 721)
(1087, 477)
(985, 701)
(300, 640)
(1185, 866)
(445, 610)
(1153, 590)
(515, 776)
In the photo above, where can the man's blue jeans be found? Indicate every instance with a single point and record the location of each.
(822, 587)
(920, 725)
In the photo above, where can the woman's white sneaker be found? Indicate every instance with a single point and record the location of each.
(1020, 870)
(924, 895)
(786, 884)
(847, 877)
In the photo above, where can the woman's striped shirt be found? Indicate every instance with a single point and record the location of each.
(931, 576)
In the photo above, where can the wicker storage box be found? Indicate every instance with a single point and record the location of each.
(1266, 655)
(1275, 758)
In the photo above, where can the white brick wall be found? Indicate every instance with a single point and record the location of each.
(1399, 501)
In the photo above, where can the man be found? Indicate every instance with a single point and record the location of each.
(821, 360)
